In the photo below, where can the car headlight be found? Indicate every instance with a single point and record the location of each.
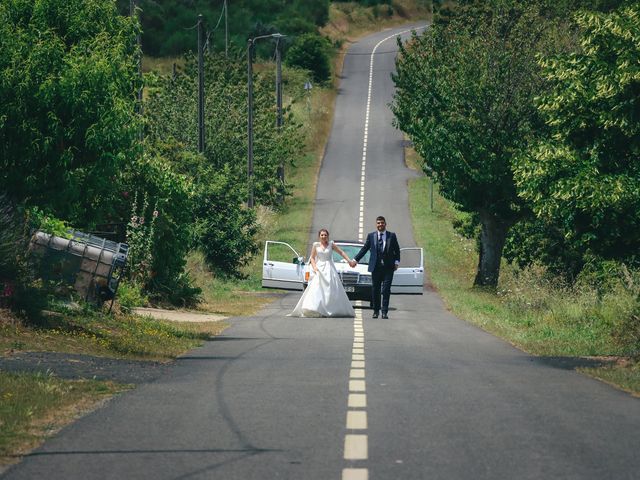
(365, 279)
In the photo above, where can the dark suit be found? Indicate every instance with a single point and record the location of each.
(381, 265)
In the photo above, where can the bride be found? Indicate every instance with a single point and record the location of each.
(325, 295)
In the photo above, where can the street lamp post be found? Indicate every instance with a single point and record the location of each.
(279, 120)
(250, 45)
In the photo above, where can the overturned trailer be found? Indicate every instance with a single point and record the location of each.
(93, 266)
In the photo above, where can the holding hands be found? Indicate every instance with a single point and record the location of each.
(352, 263)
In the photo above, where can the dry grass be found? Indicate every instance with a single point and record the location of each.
(412, 159)
(223, 296)
(623, 374)
(161, 65)
(117, 336)
(349, 21)
(35, 407)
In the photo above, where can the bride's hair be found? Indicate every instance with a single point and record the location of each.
(323, 230)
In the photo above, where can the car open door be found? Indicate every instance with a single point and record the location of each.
(282, 267)
(409, 277)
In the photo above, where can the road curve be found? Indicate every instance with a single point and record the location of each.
(423, 395)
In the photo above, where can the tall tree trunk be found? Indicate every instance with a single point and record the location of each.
(492, 239)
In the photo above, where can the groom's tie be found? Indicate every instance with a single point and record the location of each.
(380, 247)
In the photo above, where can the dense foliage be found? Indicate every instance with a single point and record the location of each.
(465, 97)
(166, 24)
(172, 118)
(17, 274)
(532, 128)
(223, 228)
(159, 220)
(313, 53)
(73, 146)
(583, 180)
(67, 122)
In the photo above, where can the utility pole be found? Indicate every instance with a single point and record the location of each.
(133, 13)
(279, 121)
(250, 120)
(250, 44)
(226, 30)
(201, 144)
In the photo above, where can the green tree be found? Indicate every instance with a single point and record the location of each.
(465, 97)
(166, 24)
(311, 52)
(584, 178)
(223, 228)
(67, 120)
(171, 112)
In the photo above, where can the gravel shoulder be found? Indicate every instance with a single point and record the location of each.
(178, 315)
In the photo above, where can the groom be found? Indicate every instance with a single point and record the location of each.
(383, 262)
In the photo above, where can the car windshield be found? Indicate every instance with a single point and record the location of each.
(351, 251)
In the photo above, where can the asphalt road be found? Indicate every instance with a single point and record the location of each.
(423, 395)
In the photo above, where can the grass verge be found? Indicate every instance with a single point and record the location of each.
(116, 336)
(349, 21)
(34, 407)
(529, 311)
(624, 375)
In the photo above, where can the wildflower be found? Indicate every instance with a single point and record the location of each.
(155, 214)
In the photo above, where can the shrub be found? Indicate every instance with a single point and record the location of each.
(130, 295)
(311, 52)
(68, 125)
(160, 226)
(224, 232)
(18, 287)
(39, 220)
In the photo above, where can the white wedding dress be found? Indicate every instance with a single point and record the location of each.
(325, 295)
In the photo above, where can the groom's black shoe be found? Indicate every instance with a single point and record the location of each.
(375, 315)
(384, 315)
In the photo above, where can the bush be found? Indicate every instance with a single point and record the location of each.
(311, 52)
(18, 287)
(160, 226)
(130, 295)
(224, 232)
(599, 313)
(68, 125)
(39, 220)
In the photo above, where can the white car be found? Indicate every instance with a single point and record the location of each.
(284, 268)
